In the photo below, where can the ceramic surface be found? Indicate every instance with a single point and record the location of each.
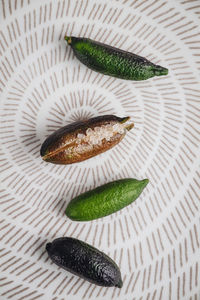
(156, 240)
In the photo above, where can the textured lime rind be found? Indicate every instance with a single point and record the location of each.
(113, 61)
(105, 200)
(85, 261)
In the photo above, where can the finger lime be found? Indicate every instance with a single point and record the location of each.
(105, 200)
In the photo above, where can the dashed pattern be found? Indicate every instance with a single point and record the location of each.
(43, 87)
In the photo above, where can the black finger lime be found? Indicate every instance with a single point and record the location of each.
(105, 200)
(113, 61)
(85, 261)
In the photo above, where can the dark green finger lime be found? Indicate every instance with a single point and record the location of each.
(105, 200)
(113, 61)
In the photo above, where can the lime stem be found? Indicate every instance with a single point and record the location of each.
(68, 39)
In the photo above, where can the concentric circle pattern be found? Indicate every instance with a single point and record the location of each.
(156, 240)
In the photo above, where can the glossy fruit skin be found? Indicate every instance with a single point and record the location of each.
(53, 151)
(105, 200)
(113, 61)
(84, 261)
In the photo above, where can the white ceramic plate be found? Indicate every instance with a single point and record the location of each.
(156, 240)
